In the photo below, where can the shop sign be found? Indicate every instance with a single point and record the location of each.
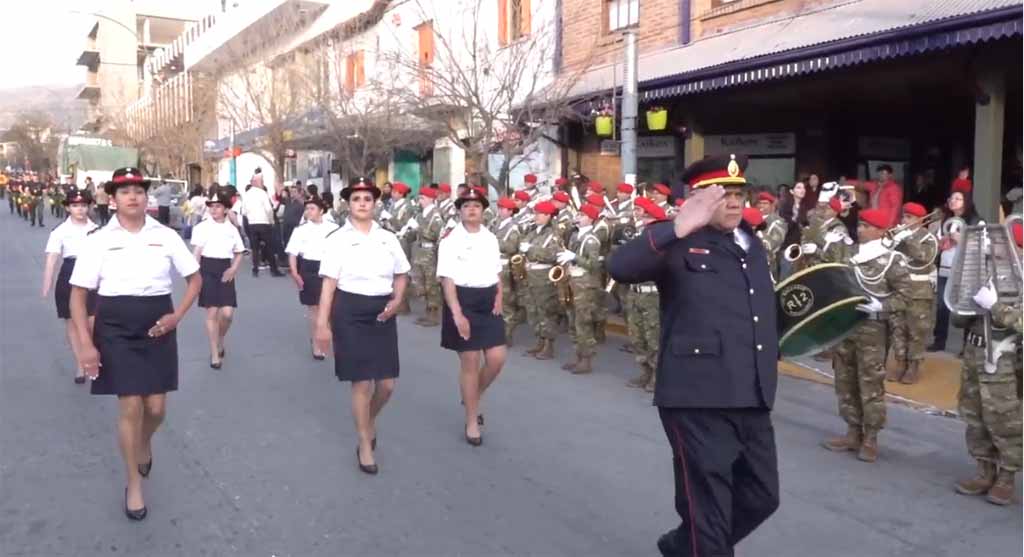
(883, 147)
(656, 147)
(750, 144)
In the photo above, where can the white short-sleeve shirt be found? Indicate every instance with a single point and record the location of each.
(218, 240)
(470, 259)
(307, 241)
(120, 263)
(67, 238)
(363, 264)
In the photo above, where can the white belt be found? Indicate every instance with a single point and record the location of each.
(503, 260)
(427, 245)
(923, 277)
(644, 288)
(577, 272)
(538, 266)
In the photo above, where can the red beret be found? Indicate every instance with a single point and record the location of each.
(765, 196)
(662, 189)
(523, 195)
(625, 188)
(962, 185)
(591, 211)
(530, 179)
(915, 209)
(650, 207)
(446, 188)
(835, 204)
(545, 208)
(400, 188)
(680, 201)
(428, 192)
(1018, 234)
(506, 203)
(596, 199)
(875, 217)
(595, 187)
(753, 216)
(561, 181)
(561, 197)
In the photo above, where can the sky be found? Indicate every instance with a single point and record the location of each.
(43, 38)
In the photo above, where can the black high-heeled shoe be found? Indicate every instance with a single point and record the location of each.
(145, 469)
(133, 514)
(79, 380)
(370, 469)
(475, 441)
(216, 365)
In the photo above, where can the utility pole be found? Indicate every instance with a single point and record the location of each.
(630, 108)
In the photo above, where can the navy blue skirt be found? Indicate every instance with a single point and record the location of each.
(133, 363)
(216, 293)
(486, 330)
(62, 292)
(312, 282)
(364, 349)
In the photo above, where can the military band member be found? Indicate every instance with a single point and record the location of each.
(490, 212)
(4, 183)
(597, 188)
(642, 307)
(564, 222)
(859, 360)
(541, 246)
(716, 384)
(129, 261)
(64, 244)
(989, 399)
(36, 203)
(660, 193)
(365, 274)
(624, 201)
(584, 266)
(446, 202)
(14, 189)
(603, 230)
(401, 212)
(218, 248)
(911, 327)
(469, 267)
(427, 225)
(775, 230)
(525, 216)
(513, 292)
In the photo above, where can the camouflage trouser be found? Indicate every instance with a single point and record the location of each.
(512, 311)
(424, 277)
(601, 310)
(911, 330)
(542, 308)
(587, 296)
(644, 325)
(859, 365)
(989, 404)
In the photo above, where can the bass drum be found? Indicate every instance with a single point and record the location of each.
(817, 308)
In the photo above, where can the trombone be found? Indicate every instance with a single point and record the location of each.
(889, 239)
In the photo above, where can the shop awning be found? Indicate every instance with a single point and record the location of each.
(827, 38)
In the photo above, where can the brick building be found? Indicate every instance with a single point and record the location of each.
(831, 87)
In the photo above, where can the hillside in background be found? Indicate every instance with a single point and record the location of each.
(59, 102)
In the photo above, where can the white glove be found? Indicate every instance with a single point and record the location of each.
(384, 215)
(873, 305)
(902, 235)
(986, 296)
(413, 224)
(809, 248)
(624, 220)
(524, 247)
(834, 236)
(565, 257)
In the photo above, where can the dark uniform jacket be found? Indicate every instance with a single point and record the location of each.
(719, 341)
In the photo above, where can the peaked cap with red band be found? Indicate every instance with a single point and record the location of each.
(724, 170)
(360, 184)
(127, 176)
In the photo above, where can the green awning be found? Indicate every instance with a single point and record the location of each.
(100, 157)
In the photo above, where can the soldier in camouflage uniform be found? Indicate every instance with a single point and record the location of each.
(541, 247)
(584, 265)
(446, 203)
(775, 228)
(603, 231)
(564, 222)
(911, 328)
(400, 212)
(507, 231)
(659, 193)
(859, 360)
(428, 226)
(643, 309)
(989, 400)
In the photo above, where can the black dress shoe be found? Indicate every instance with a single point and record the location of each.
(133, 514)
(370, 469)
(80, 379)
(144, 469)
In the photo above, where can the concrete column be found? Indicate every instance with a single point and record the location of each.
(693, 150)
(989, 118)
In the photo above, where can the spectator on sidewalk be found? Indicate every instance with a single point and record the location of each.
(885, 194)
(163, 194)
(258, 212)
(292, 210)
(959, 205)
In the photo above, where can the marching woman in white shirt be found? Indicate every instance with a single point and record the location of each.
(469, 267)
(218, 247)
(64, 243)
(365, 274)
(132, 351)
(305, 250)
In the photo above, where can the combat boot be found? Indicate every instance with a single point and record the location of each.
(1001, 492)
(982, 481)
(533, 351)
(894, 375)
(571, 366)
(599, 334)
(649, 387)
(640, 381)
(913, 371)
(583, 366)
(848, 442)
(547, 352)
(868, 447)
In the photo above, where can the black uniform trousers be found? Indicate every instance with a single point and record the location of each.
(163, 214)
(261, 241)
(726, 477)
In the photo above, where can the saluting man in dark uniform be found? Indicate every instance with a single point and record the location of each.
(716, 372)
